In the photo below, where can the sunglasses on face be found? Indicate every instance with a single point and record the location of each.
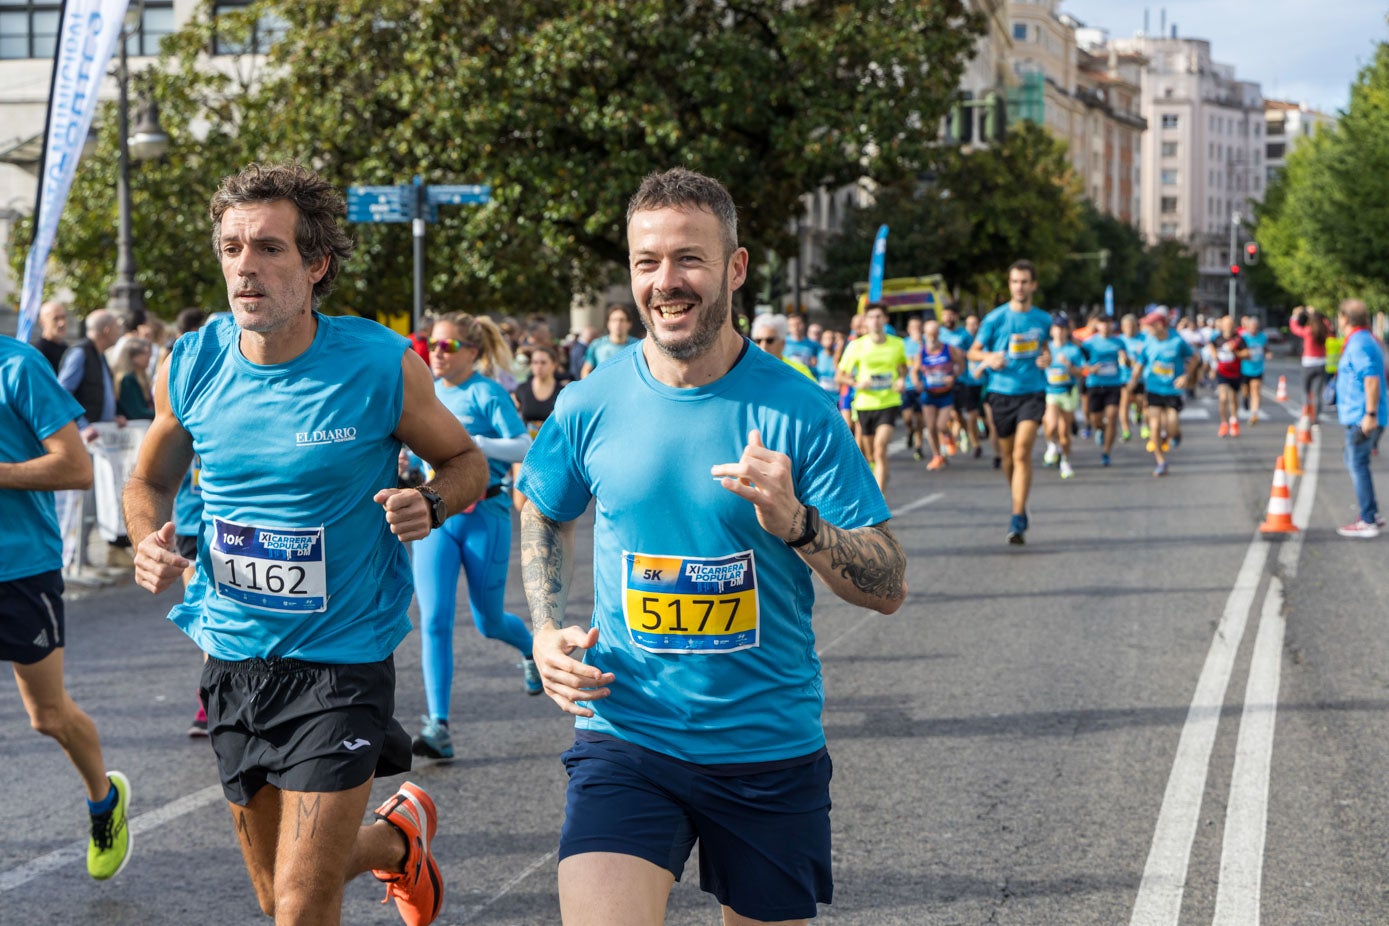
(449, 345)
(766, 340)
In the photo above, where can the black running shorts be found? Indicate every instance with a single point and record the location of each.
(1009, 410)
(870, 420)
(31, 617)
(1101, 397)
(1157, 400)
(968, 397)
(302, 726)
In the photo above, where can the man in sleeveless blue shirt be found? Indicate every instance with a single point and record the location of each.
(302, 581)
(696, 687)
(41, 451)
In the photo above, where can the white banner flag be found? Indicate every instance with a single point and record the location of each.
(86, 40)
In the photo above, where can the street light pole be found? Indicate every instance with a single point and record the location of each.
(125, 296)
(1234, 260)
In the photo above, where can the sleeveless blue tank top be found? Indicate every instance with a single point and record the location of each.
(299, 561)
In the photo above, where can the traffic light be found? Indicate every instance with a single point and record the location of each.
(1251, 253)
(1234, 271)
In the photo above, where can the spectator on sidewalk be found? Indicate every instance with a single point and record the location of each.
(1361, 407)
(52, 341)
(134, 398)
(85, 373)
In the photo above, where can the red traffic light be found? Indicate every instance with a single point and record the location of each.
(1234, 270)
(1251, 252)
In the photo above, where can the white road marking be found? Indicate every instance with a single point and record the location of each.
(139, 825)
(1159, 901)
(1246, 815)
(1194, 414)
(509, 886)
(919, 503)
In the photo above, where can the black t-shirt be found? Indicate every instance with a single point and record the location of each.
(532, 409)
(52, 351)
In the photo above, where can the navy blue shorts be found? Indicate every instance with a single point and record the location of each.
(31, 617)
(938, 399)
(764, 837)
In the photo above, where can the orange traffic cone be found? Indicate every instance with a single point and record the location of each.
(1304, 425)
(1291, 462)
(1282, 394)
(1279, 519)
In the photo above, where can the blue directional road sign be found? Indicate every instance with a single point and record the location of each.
(457, 194)
(380, 203)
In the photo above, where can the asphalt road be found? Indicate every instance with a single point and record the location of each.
(1145, 715)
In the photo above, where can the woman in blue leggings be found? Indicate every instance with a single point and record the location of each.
(477, 540)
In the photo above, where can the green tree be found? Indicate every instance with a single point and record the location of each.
(968, 218)
(562, 106)
(1124, 266)
(1174, 273)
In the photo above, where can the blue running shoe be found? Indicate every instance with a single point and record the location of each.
(1161, 470)
(433, 741)
(532, 675)
(1017, 527)
(1104, 459)
(1174, 442)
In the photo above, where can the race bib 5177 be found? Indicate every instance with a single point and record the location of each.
(690, 604)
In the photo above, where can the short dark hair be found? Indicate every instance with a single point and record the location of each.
(190, 319)
(317, 233)
(682, 188)
(1025, 265)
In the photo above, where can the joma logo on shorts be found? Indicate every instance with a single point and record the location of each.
(331, 436)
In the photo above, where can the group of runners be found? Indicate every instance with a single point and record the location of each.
(298, 587)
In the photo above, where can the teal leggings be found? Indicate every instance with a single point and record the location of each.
(478, 543)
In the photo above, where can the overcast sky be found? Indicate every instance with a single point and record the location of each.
(1296, 50)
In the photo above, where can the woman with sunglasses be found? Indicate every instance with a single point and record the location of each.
(477, 540)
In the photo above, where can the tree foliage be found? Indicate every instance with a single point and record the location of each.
(562, 106)
(1324, 218)
(968, 218)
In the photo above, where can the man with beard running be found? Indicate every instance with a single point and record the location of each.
(695, 685)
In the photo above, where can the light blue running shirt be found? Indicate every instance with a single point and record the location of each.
(1020, 336)
(1253, 365)
(1059, 379)
(299, 561)
(33, 407)
(486, 410)
(959, 337)
(188, 503)
(1102, 356)
(704, 617)
(1133, 347)
(1163, 361)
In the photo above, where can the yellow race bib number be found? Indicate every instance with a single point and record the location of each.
(691, 604)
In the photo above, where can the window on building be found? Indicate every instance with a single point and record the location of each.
(1020, 32)
(1276, 150)
(1169, 120)
(29, 28)
(1168, 230)
(264, 33)
(1169, 205)
(1169, 177)
(1169, 149)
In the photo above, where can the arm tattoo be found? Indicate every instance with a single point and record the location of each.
(544, 567)
(308, 810)
(869, 557)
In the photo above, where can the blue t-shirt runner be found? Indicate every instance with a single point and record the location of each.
(691, 594)
(1021, 336)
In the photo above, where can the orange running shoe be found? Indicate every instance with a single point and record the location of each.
(418, 891)
(949, 447)
(1224, 429)
(1234, 429)
(937, 462)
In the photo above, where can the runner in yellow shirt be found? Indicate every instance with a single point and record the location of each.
(876, 366)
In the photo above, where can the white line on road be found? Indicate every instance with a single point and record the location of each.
(508, 887)
(139, 825)
(1246, 815)
(919, 503)
(1159, 900)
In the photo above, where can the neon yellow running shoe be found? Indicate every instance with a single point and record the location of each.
(109, 848)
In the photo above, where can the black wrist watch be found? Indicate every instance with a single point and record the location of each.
(809, 530)
(438, 511)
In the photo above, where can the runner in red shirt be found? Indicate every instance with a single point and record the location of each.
(1229, 349)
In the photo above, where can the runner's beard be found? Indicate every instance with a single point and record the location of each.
(710, 322)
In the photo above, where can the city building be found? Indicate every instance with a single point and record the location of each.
(1068, 81)
(1204, 152)
(1286, 124)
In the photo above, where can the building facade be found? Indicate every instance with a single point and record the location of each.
(1205, 150)
(1285, 125)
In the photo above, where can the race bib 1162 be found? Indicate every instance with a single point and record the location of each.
(272, 568)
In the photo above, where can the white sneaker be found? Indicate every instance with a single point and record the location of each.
(1358, 528)
(1051, 456)
(1066, 471)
